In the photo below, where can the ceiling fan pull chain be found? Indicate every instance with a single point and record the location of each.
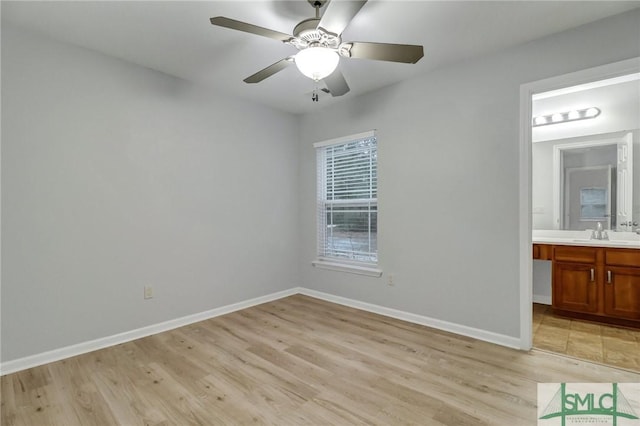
(315, 97)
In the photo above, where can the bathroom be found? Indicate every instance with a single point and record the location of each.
(586, 205)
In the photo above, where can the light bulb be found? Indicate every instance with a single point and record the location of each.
(557, 117)
(574, 115)
(540, 120)
(591, 112)
(317, 62)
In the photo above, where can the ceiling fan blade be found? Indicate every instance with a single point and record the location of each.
(407, 53)
(336, 83)
(221, 21)
(338, 15)
(269, 71)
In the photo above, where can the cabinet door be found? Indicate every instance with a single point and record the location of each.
(574, 287)
(622, 292)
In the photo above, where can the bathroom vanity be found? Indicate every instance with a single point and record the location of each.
(592, 279)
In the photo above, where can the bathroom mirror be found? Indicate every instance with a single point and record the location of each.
(583, 169)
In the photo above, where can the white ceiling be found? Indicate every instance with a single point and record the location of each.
(175, 37)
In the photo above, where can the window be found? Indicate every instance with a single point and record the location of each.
(593, 203)
(348, 200)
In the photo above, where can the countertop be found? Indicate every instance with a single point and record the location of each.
(583, 238)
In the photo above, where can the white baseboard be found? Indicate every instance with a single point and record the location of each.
(476, 333)
(544, 300)
(92, 345)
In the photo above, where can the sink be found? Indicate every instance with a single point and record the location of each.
(586, 241)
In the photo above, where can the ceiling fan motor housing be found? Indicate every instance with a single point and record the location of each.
(307, 34)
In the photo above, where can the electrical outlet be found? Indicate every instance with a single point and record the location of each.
(148, 292)
(390, 281)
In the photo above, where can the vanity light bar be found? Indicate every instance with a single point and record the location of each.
(564, 117)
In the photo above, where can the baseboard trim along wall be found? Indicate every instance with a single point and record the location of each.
(93, 345)
(476, 333)
(544, 300)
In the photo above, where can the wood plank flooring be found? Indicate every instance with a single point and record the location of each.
(297, 360)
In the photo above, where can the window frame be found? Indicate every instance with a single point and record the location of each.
(584, 204)
(337, 263)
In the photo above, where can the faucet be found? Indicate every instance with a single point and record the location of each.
(599, 233)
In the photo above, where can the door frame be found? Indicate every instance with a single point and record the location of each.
(527, 90)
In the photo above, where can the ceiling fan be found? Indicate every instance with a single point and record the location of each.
(320, 45)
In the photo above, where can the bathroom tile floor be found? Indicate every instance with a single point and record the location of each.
(605, 344)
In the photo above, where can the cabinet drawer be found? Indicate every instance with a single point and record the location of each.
(575, 254)
(623, 257)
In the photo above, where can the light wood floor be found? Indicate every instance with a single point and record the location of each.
(607, 344)
(294, 361)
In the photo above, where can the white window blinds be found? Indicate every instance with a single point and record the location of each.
(348, 198)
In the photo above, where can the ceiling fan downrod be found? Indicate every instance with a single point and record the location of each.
(317, 4)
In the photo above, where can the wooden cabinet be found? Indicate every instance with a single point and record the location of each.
(597, 283)
(622, 293)
(575, 278)
(574, 287)
(622, 283)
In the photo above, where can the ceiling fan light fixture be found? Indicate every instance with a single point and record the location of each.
(317, 62)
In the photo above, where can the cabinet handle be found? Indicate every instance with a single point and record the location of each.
(593, 274)
(608, 277)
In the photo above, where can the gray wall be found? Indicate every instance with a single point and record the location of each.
(115, 176)
(448, 177)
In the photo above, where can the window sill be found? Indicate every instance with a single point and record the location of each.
(345, 267)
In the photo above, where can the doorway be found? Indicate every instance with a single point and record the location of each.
(592, 201)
